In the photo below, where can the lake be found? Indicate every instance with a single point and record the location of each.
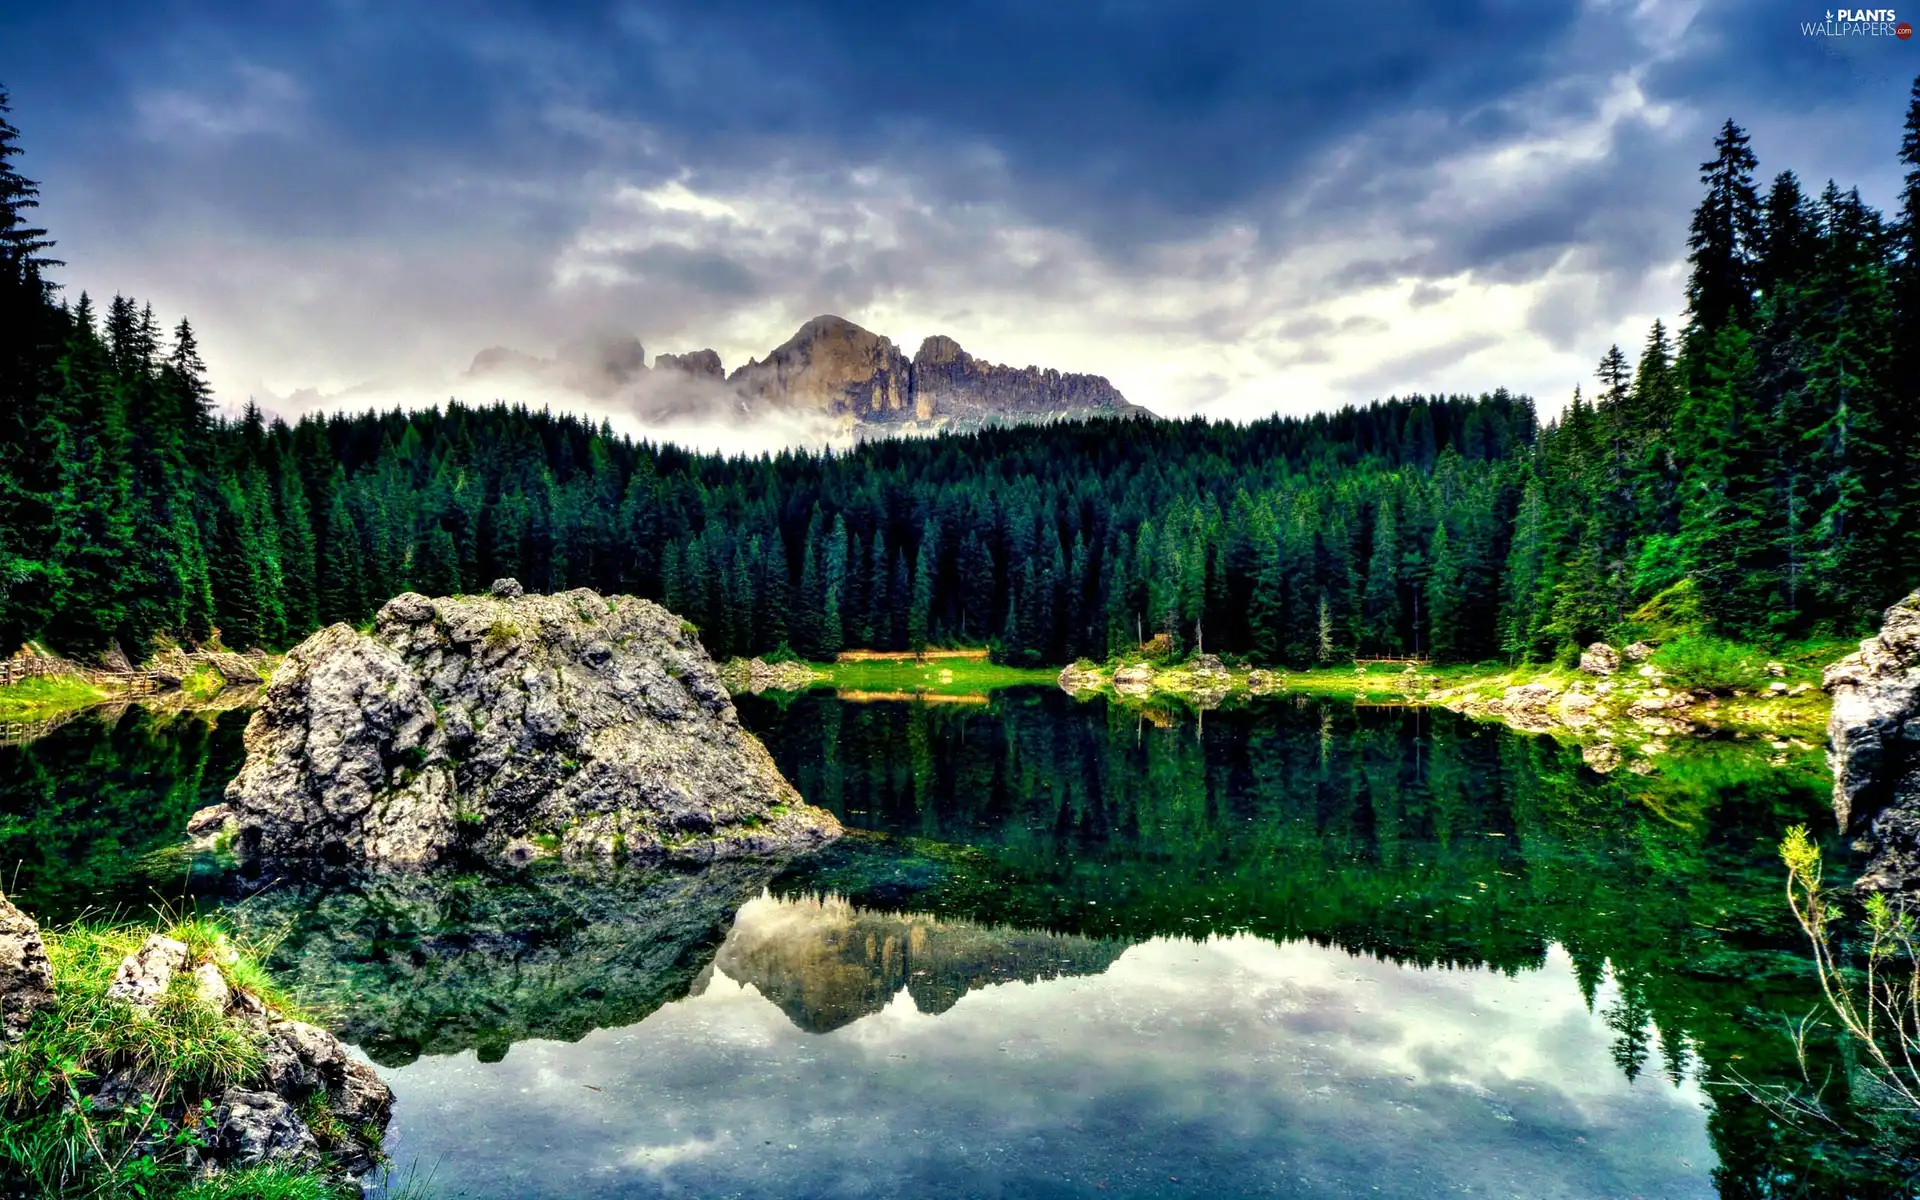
(1067, 949)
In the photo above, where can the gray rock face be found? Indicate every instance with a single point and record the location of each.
(594, 725)
(1873, 747)
(26, 975)
(251, 1128)
(145, 975)
(704, 364)
(947, 381)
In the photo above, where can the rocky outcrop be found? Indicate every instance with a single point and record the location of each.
(949, 382)
(586, 725)
(1873, 740)
(833, 366)
(1599, 659)
(146, 974)
(1082, 676)
(830, 367)
(701, 364)
(310, 1104)
(26, 974)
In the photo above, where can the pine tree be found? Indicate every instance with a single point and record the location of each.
(1725, 235)
(341, 595)
(920, 610)
(21, 243)
(1728, 540)
(1380, 604)
(1444, 594)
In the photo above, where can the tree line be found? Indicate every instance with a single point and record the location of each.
(1755, 471)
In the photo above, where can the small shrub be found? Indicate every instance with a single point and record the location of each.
(203, 683)
(783, 653)
(1872, 991)
(1673, 614)
(1710, 663)
(500, 633)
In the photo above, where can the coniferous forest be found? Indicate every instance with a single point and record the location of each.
(1756, 466)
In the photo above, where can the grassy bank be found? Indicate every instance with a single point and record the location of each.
(936, 677)
(1691, 683)
(48, 696)
(103, 1099)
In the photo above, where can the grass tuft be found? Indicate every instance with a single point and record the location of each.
(41, 697)
(62, 1136)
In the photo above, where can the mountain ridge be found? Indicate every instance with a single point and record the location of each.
(835, 368)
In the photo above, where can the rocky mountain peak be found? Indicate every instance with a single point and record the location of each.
(939, 350)
(701, 364)
(832, 365)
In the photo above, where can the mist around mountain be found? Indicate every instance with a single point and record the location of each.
(832, 378)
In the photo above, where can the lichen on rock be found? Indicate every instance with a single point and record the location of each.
(26, 974)
(596, 724)
(1873, 739)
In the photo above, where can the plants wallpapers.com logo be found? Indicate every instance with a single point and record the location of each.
(1858, 22)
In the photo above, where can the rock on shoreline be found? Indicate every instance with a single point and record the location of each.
(758, 675)
(590, 726)
(1874, 747)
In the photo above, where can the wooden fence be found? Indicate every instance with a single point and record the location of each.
(13, 670)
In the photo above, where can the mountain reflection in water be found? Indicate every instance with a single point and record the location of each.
(815, 1060)
(826, 964)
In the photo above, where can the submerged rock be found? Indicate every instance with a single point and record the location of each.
(26, 974)
(597, 724)
(1874, 747)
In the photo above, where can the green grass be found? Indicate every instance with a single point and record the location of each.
(203, 683)
(46, 696)
(969, 676)
(269, 1183)
(58, 1141)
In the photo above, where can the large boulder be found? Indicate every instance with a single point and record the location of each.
(26, 974)
(1874, 747)
(593, 725)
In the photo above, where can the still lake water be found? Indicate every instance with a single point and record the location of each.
(1069, 949)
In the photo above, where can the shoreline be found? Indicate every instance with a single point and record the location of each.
(1637, 706)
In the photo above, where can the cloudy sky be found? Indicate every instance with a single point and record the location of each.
(1226, 208)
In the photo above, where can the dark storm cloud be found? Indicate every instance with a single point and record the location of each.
(400, 185)
(1118, 119)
